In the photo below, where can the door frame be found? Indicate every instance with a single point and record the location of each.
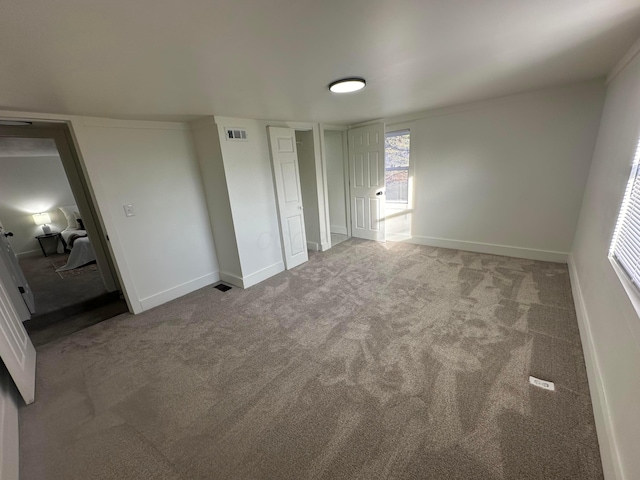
(411, 199)
(61, 133)
(321, 175)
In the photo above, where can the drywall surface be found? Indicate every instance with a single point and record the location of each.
(611, 321)
(335, 181)
(247, 168)
(309, 187)
(31, 185)
(506, 173)
(207, 145)
(167, 248)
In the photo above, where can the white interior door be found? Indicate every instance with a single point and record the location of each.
(366, 179)
(16, 349)
(17, 276)
(284, 156)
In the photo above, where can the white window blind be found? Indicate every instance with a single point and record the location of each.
(625, 247)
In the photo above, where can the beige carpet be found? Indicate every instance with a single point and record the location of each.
(371, 361)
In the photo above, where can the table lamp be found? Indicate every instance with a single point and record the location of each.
(43, 219)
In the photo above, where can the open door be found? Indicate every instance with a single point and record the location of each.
(366, 178)
(19, 280)
(16, 349)
(284, 155)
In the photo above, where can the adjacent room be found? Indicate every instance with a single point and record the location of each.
(300, 240)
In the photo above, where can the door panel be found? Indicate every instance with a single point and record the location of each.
(16, 349)
(366, 171)
(17, 277)
(284, 156)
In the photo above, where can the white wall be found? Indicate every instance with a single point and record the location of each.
(610, 326)
(506, 176)
(31, 185)
(335, 181)
(247, 168)
(207, 145)
(309, 188)
(166, 250)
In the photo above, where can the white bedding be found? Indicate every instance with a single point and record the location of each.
(82, 251)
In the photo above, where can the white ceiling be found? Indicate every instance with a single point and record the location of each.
(27, 147)
(177, 59)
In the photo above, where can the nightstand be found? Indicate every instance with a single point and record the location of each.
(55, 235)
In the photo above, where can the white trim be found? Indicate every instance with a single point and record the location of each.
(260, 275)
(611, 463)
(9, 443)
(115, 123)
(325, 246)
(179, 290)
(339, 229)
(29, 252)
(313, 246)
(623, 62)
(232, 279)
(493, 249)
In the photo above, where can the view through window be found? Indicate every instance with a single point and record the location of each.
(397, 181)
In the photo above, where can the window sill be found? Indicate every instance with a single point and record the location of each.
(629, 287)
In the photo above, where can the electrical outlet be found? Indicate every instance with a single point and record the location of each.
(547, 385)
(128, 210)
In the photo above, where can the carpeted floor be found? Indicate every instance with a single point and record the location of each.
(370, 361)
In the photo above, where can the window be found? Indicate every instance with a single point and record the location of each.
(396, 166)
(625, 247)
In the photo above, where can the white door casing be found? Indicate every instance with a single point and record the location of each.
(366, 180)
(16, 349)
(17, 276)
(284, 156)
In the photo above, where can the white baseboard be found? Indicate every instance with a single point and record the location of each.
(313, 246)
(325, 246)
(232, 279)
(263, 274)
(28, 252)
(9, 443)
(178, 291)
(507, 251)
(608, 449)
(338, 229)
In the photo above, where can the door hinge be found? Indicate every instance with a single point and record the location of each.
(107, 237)
(21, 289)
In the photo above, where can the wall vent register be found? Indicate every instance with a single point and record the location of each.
(235, 134)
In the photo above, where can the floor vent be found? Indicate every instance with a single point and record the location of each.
(222, 287)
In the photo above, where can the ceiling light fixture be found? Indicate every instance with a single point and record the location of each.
(346, 85)
(14, 123)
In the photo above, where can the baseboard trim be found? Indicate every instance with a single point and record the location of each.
(178, 291)
(507, 251)
(611, 464)
(9, 442)
(338, 229)
(28, 252)
(313, 246)
(232, 279)
(263, 274)
(325, 246)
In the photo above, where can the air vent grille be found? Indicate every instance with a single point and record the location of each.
(235, 134)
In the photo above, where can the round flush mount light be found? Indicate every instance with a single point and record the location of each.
(346, 85)
(14, 123)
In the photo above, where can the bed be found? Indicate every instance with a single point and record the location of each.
(81, 252)
(76, 239)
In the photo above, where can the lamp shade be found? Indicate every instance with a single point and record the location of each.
(41, 218)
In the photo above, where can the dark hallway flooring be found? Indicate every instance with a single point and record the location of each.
(66, 303)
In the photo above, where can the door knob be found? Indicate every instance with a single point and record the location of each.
(379, 193)
(8, 234)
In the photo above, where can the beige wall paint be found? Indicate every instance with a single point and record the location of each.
(32, 185)
(611, 325)
(505, 176)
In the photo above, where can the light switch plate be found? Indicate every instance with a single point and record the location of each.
(128, 210)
